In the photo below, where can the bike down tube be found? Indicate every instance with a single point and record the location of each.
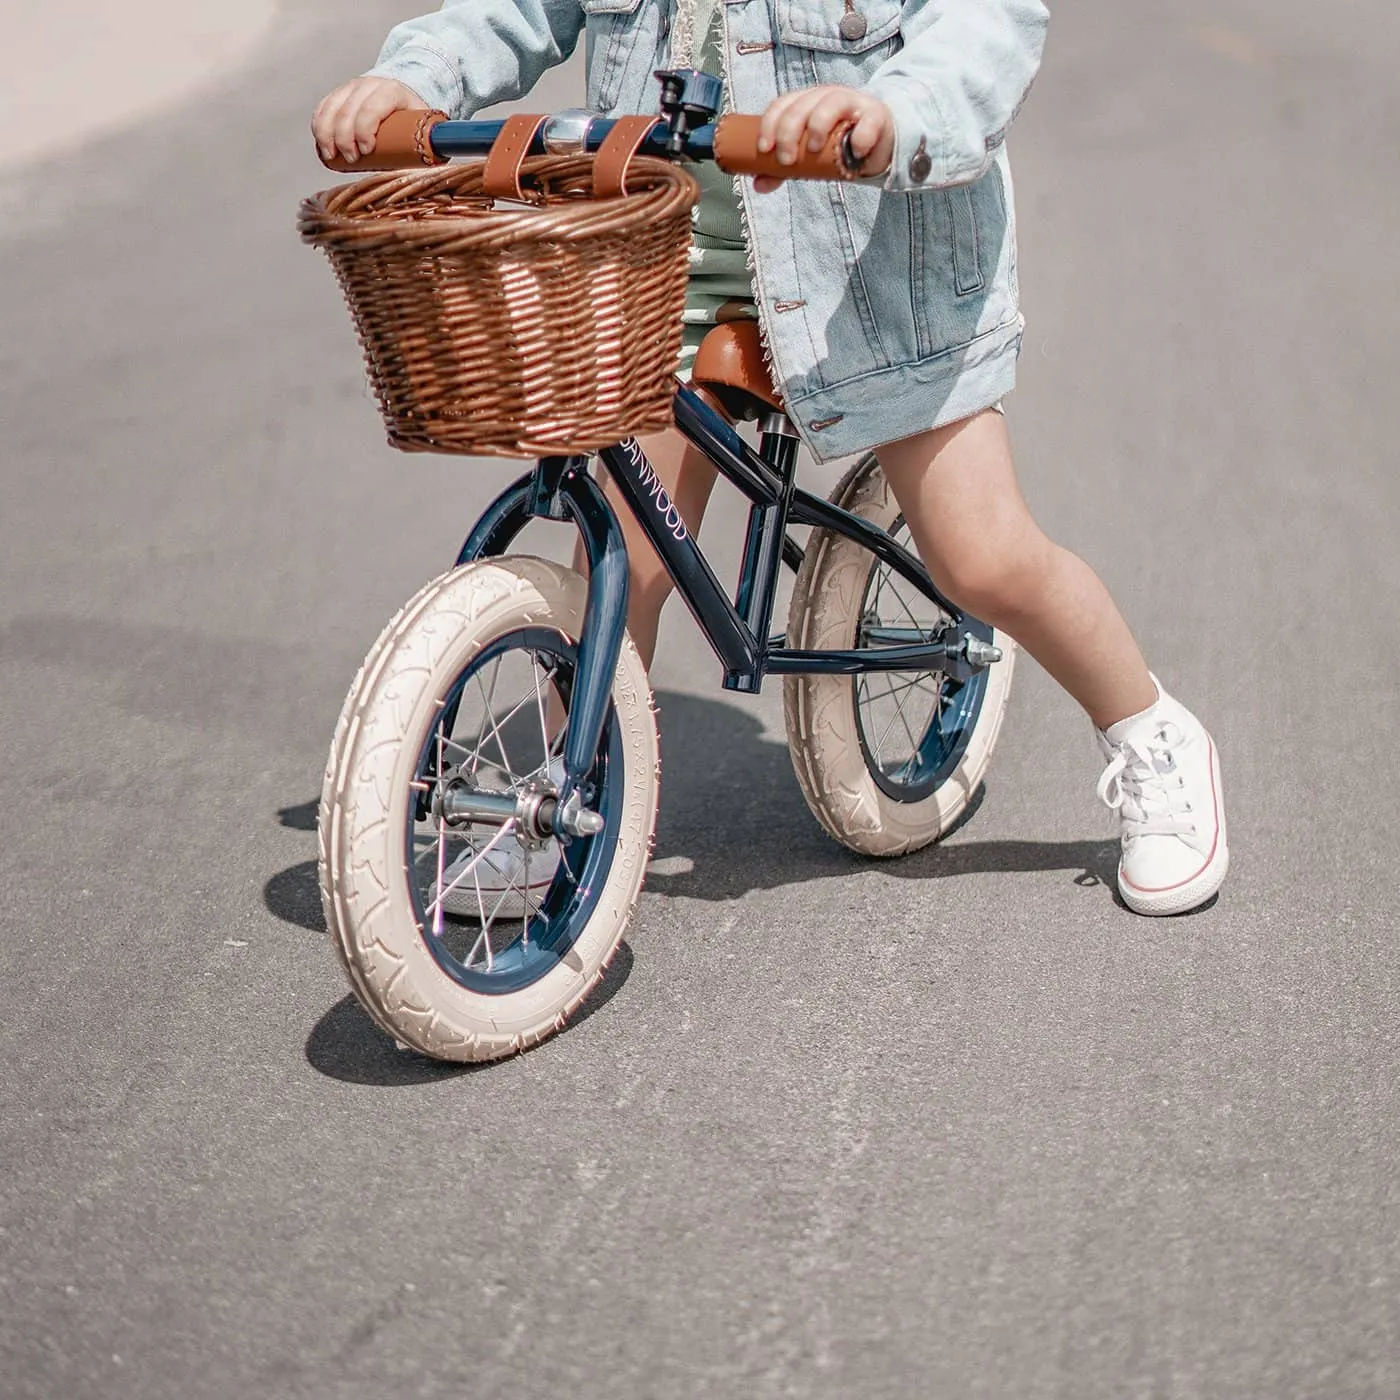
(651, 505)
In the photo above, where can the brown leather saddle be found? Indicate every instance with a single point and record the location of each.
(730, 366)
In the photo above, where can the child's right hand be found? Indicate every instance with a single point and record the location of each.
(348, 119)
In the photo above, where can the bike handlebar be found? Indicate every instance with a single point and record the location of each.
(410, 140)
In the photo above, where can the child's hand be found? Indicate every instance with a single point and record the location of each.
(809, 116)
(349, 118)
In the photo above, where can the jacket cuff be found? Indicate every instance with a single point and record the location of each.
(923, 158)
(428, 72)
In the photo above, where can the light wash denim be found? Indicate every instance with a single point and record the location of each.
(888, 306)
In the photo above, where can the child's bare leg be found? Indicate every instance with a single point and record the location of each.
(957, 489)
(689, 478)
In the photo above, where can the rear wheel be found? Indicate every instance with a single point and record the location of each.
(472, 937)
(887, 761)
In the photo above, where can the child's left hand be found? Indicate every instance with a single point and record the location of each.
(808, 117)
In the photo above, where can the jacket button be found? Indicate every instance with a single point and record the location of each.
(920, 163)
(853, 25)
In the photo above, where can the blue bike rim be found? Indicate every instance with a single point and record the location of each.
(942, 736)
(584, 862)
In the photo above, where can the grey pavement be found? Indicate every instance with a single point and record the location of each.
(89, 65)
(957, 1126)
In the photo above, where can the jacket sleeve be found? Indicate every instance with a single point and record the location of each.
(965, 68)
(473, 53)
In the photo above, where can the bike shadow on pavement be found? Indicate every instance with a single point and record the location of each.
(346, 1045)
(732, 821)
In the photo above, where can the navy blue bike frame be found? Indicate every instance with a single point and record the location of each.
(561, 488)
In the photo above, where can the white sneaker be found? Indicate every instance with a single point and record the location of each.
(503, 875)
(504, 878)
(1163, 780)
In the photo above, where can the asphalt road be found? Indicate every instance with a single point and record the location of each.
(959, 1126)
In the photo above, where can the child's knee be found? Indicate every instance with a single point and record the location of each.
(994, 584)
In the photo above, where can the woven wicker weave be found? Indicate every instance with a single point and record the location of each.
(512, 330)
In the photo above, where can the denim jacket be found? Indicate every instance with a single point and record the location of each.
(887, 306)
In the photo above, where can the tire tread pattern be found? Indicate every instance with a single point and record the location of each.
(823, 739)
(372, 925)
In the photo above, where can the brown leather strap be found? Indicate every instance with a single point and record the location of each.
(501, 177)
(736, 151)
(402, 143)
(615, 155)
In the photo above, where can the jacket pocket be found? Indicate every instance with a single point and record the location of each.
(833, 26)
(962, 271)
(967, 246)
(945, 268)
(814, 49)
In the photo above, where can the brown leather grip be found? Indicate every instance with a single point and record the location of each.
(736, 151)
(615, 155)
(401, 144)
(501, 177)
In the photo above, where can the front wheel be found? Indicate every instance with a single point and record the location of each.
(887, 761)
(472, 937)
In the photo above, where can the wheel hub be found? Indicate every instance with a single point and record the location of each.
(535, 810)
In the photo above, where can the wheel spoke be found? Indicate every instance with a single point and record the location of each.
(482, 937)
(539, 701)
(494, 726)
(880, 742)
(496, 732)
(530, 897)
(903, 719)
(905, 609)
(885, 709)
(490, 699)
(441, 853)
(918, 683)
(553, 751)
(435, 908)
(895, 692)
(878, 759)
(481, 914)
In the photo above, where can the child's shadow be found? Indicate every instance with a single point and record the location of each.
(733, 819)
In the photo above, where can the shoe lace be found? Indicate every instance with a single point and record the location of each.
(1143, 784)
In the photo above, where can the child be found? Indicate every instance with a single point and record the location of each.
(888, 307)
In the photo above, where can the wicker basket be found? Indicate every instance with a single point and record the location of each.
(506, 329)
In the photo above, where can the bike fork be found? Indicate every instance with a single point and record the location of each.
(560, 488)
